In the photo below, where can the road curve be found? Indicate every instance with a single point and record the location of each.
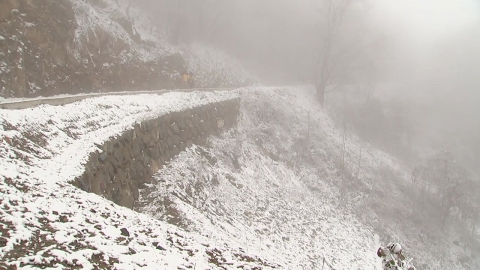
(62, 100)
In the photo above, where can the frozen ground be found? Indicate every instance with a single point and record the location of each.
(277, 184)
(268, 194)
(245, 187)
(46, 222)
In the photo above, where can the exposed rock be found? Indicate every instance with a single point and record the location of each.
(157, 246)
(3, 242)
(63, 218)
(129, 161)
(175, 128)
(102, 157)
(125, 232)
(43, 52)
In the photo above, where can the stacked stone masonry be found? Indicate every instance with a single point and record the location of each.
(127, 162)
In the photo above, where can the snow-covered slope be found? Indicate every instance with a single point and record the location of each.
(271, 193)
(250, 187)
(114, 18)
(46, 222)
(277, 185)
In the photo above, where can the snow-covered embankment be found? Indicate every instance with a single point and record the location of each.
(46, 222)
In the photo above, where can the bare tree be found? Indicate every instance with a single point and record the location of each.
(448, 186)
(335, 57)
(469, 205)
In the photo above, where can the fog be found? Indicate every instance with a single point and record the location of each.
(426, 52)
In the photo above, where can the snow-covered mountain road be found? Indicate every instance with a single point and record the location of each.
(17, 104)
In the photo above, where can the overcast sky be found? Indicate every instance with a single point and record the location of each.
(424, 22)
(439, 42)
(431, 18)
(429, 49)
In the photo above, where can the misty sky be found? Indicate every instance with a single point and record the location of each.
(284, 31)
(422, 24)
(437, 63)
(429, 18)
(425, 50)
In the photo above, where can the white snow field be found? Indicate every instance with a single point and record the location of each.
(275, 185)
(251, 187)
(263, 195)
(46, 222)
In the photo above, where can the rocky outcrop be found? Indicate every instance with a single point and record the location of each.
(44, 51)
(127, 163)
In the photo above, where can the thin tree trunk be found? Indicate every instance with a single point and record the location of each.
(321, 91)
(322, 83)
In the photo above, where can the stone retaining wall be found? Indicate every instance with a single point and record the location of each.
(124, 164)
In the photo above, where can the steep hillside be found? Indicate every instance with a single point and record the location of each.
(46, 222)
(277, 183)
(248, 188)
(272, 193)
(73, 46)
